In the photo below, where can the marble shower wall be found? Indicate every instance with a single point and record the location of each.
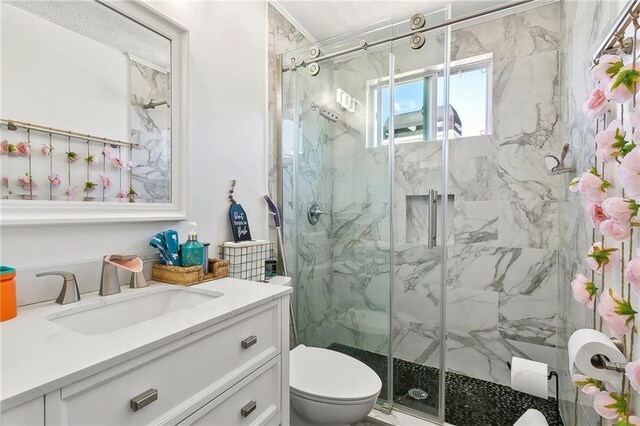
(502, 243)
(584, 25)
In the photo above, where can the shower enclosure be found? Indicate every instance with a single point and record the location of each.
(419, 220)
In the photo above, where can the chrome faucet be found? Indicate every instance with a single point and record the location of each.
(109, 281)
(70, 292)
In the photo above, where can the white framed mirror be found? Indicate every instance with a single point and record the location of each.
(93, 118)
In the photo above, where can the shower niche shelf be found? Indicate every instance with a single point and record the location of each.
(417, 218)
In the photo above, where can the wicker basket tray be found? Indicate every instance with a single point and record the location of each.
(189, 275)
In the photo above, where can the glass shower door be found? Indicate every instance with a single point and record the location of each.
(340, 200)
(421, 210)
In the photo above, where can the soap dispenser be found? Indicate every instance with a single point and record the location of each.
(192, 250)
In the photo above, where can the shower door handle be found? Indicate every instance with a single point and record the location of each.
(432, 219)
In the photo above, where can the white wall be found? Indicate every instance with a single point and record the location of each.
(88, 81)
(227, 78)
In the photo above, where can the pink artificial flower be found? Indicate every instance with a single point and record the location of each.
(117, 162)
(622, 87)
(628, 173)
(605, 404)
(596, 214)
(599, 258)
(586, 384)
(607, 67)
(55, 180)
(106, 153)
(620, 210)
(584, 291)
(72, 193)
(632, 371)
(617, 312)
(615, 230)
(632, 273)
(26, 182)
(131, 165)
(121, 195)
(105, 180)
(24, 148)
(610, 141)
(46, 149)
(633, 421)
(596, 105)
(5, 181)
(7, 148)
(592, 187)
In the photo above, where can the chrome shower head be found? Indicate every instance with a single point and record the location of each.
(328, 114)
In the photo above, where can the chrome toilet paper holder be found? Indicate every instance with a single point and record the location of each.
(601, 362)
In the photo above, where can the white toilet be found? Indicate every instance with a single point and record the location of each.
(330, 388)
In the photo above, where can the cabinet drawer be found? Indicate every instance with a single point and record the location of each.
(186, 374)
(253, 401)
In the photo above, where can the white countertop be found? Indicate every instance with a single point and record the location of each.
(39, 356)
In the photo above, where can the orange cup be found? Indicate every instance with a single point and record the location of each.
(8, 306)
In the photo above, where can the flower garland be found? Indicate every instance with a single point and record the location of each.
(614, 218)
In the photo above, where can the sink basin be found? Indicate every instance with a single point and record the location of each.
(127, 311)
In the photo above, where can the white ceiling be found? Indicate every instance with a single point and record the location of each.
(322, 19)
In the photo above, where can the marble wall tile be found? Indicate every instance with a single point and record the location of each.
(482, 358)
(418, 167)
(530, 79)
(472, 313)
(527, 223)
(503, 269)
(367, 221)
(504, 177)
(527, 319)
(477, 222)
(520, 224)
(523, 34)
(528, 126)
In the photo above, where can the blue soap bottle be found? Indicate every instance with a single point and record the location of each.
(192, 250)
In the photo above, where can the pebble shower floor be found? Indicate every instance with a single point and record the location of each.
(469, 401)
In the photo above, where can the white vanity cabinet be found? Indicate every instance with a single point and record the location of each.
(28, 414)
(228, 374)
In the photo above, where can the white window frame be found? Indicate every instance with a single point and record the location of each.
(374, 126)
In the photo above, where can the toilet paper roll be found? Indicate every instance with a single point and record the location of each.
(585, 343)
(529, 377)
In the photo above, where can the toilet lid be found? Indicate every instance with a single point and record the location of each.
(330, 375)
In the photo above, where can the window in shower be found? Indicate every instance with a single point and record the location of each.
(419, 103)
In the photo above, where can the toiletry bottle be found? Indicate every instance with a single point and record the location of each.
(192, 250)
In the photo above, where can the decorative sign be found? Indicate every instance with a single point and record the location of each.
(238, 218)
(239, 223)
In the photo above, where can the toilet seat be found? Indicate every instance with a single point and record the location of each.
(324, 375)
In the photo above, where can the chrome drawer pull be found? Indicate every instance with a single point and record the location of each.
(248, 409)
(144, 399)
(249, 341)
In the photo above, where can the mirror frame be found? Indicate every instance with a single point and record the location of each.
(35, 212)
